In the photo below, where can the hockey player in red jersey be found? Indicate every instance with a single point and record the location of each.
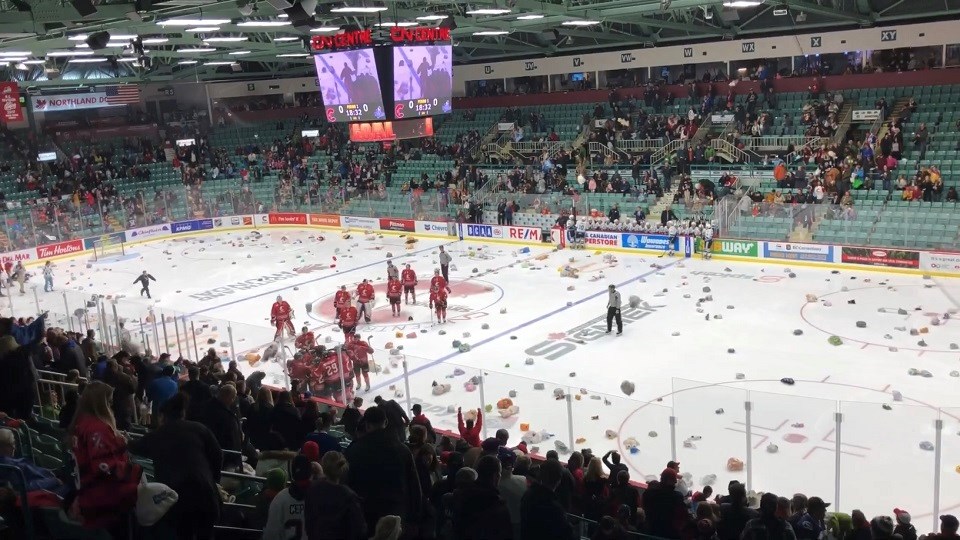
(340, 301)
(365, 299)
(359, 351)
(280, 315)
(409, 279)
(440, 303)
(305, 340)
(437, 283)
(394, 288)
(348, 320)
(330, 370)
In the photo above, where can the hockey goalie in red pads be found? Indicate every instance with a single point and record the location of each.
(281, 315)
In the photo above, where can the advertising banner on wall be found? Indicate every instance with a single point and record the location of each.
(360, 222)
(393, 224)
(143, 233)
(287, 218)
(62, 248)
(737, 248)
(191, 226)
(112, 238)
(657, 242)
(432, 227)
(940, 261)
(10, 110)
(324, 220)
(529, 234)
(892, 258)
(798, 252)
(602, 239)
(22, 255)
(232, 221)
(71, 102)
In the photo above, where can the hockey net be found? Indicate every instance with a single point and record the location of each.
(107, 246)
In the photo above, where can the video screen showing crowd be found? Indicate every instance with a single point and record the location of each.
(350, 85)
(339, 371)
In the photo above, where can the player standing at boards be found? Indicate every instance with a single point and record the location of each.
(672, 238)
(613, 309)
(144, 280)
(409, 279)
(392, 271)
(708, 241)
(445, 264)
(359, 351)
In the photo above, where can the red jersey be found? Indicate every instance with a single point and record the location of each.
(365, 292)
(440, 296)
(437, 283)
(358, 349)
(394, 288)
(281, 311)
(408, 277)
(329, 369)
(341, 299)
(305, 340)
(348, 316)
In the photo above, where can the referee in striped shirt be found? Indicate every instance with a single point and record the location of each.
(613, 309)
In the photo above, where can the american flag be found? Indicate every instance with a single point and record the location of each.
(123, 95)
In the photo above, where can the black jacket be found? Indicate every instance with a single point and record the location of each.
(733, 519)
(200, 397)
(396, 418)
(18, 379)
(285, 420)
(480, 514)
(71, 357)
(383, 474)
(187, 457)
(332, 512)
(666, 512)
(542, 517)
(350, 419)
(225, 425)
(124, 387)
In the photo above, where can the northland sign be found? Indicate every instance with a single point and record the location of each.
(69, 102)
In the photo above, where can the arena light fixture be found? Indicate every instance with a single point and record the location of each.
(33, 62)
(193, 22)
(488, 11)
(15, 53)
(239, 53)
(21, 66)
(219, 63)
(358, 9)
(112, 44)
(83, 37)
(196, 50)
(56, 54)
(324, 29)
(293, 55)
(405, 24)
(263, 24)
(87, 60)
(128, 59)
(742, 3)
(579, 23)
(529, 17)
(186, 62)
(225, 39)
(491, 33)
(432, 17)
(287, 38)
(6, 59)
(200, 29)
(155, 41)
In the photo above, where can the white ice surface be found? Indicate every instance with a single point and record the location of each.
(687, 377)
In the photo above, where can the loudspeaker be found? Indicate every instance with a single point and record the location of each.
(98, 40)
(302, 12)
(450, 22)
(84, 7)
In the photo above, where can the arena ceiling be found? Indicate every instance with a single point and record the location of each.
(231, 39)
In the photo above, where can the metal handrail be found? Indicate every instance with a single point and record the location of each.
(723, 145)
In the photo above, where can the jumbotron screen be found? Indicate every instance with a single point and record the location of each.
(422, 80)
(350, 86)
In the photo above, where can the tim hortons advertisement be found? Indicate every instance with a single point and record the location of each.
(56, 250)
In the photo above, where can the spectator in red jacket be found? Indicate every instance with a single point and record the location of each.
(469, 431)
(420, 419)
(108, 480)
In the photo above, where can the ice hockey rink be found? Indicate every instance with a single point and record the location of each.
(705, 347)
